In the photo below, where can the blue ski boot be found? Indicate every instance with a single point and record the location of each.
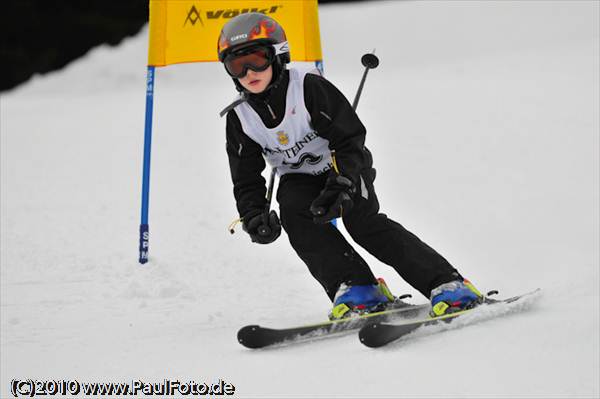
(453, 297)
(356, 300)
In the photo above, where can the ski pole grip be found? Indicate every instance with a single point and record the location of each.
(264, 230)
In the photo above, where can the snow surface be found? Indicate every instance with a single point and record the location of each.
(484, 121)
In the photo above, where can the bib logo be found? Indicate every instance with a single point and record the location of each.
(282, 137)
(307, 157)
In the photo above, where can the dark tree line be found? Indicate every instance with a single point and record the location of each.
(40, 36)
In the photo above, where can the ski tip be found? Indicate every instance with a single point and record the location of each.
(369, 334)
(248, 337)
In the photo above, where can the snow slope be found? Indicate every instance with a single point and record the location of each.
(483, 119)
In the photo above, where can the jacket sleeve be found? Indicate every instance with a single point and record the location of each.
(334, 119)
(246, 164)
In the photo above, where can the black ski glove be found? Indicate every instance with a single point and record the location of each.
(334, 199)
(263, 227)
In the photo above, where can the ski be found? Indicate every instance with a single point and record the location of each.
(255, 336)
(379, 333)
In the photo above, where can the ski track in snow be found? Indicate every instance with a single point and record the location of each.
(483, 120)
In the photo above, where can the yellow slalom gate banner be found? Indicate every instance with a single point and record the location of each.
(188, 30)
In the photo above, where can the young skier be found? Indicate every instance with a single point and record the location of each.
(305, 127)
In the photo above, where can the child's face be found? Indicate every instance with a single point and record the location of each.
(257, 82)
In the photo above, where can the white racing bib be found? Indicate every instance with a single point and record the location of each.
(293, 146)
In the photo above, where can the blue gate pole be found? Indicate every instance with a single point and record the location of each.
(144, 231)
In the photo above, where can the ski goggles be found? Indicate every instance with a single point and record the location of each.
(256, 58)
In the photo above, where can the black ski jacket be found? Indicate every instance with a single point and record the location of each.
(332, 118)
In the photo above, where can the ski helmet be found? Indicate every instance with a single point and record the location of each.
(254, 30)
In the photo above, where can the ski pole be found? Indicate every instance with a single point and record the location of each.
(265, 230)
(369, 61)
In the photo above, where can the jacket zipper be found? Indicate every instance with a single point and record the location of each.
(271, 111)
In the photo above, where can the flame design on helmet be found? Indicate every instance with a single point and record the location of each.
(223, 44)
(263, 30)
(247, 28)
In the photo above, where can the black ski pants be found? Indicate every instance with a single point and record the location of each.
(332, 260)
